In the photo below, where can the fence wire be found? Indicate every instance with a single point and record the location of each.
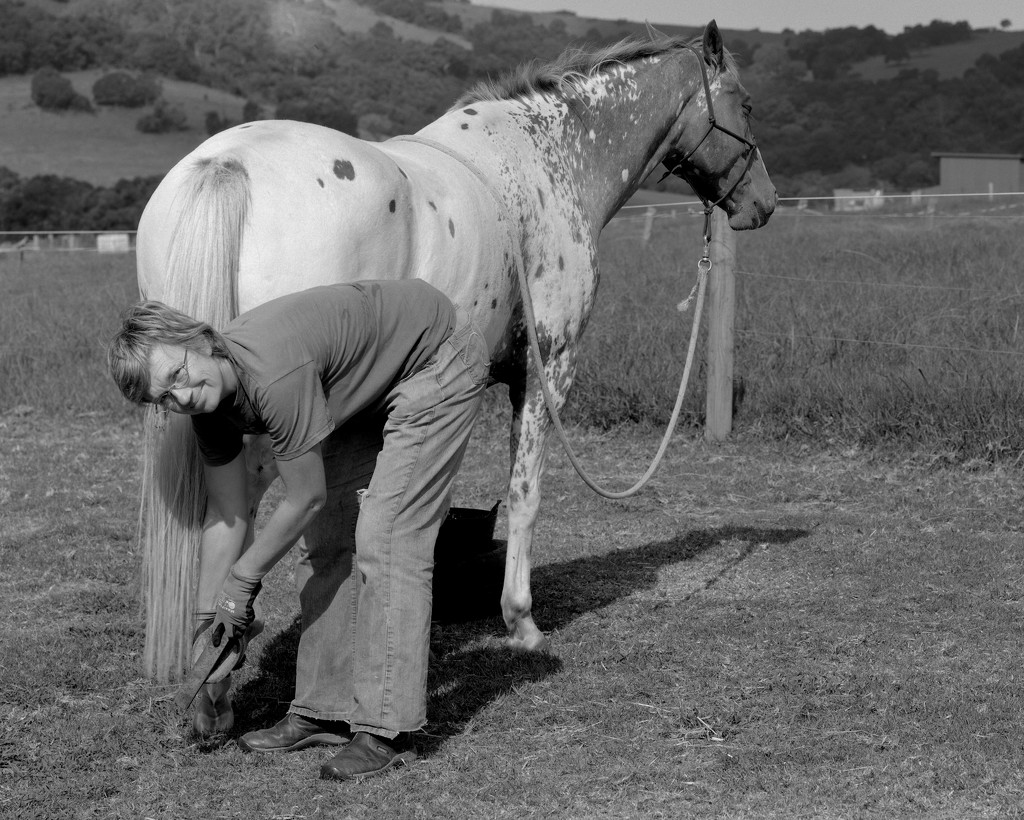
(931, 212)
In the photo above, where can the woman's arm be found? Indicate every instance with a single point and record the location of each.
(305, 494)
(224, 529)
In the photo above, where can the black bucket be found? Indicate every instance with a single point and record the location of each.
(469, 566)
(465, 532)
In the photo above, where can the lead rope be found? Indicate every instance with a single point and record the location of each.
(703, 268)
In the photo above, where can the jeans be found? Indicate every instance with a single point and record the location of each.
(364, 571)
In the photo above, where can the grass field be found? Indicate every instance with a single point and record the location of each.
(805, 621)
(887, 330)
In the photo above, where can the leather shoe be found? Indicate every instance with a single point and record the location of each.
(294, 732)
(366, 756)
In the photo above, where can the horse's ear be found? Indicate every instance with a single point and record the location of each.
(713, 47)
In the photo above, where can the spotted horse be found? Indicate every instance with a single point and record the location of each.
(518, 178)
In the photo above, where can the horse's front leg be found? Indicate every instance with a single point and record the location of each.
(214, 713)
(530, 426)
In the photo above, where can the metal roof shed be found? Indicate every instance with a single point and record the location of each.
(965, 173)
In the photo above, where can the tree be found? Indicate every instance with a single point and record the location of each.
(215, 123)
(251, 111)
(163, 55)
(52, 91)
(896, 51)
(45, 203)
(14, 57)
(328, 113)
(123, 89)
(376, 127)
(773, 65)
(163, 118)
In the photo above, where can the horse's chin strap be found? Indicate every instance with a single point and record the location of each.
(751, 152)
(530, 320)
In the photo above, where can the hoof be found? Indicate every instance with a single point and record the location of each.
(524, 637)
(209, 722)
(524, 647)
(214, 713)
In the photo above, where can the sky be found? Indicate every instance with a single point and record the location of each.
(775, 15)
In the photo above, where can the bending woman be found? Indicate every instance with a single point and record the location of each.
(375, 385)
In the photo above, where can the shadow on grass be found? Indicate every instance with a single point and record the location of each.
(466, 677)
(566, 590)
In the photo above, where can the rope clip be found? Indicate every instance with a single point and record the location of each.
(703, 268)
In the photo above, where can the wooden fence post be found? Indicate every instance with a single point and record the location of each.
(648, 223)
(721, 324)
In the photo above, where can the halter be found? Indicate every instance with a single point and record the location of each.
(751, 152)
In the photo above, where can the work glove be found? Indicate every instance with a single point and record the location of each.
(235, 612)
(235, 658)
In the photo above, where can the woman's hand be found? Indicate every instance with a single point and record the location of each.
(235, 612)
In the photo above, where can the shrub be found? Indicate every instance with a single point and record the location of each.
(215, 123)
(327, 112)
(52, 91)
(251, 111)
(121, 88)
(163, 118)
(164, 55)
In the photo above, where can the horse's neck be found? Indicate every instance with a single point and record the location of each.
(631, 120)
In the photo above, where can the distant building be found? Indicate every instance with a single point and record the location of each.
(978, 173)
(847, 199)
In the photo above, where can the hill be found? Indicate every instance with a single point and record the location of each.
(391, 66)
(299, 19)
(104, 147)
(947, 61)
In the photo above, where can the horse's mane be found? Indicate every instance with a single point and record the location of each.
(575, 65)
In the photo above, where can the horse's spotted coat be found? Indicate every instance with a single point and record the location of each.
(538, 170)
(343, 169)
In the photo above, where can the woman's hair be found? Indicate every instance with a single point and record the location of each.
(150, 323)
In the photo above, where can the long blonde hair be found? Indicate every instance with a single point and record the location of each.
(200, 281)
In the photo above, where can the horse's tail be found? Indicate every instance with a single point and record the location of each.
(202, 281)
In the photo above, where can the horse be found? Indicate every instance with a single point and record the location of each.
(516, 179)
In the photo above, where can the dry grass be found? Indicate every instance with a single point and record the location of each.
(768, 631)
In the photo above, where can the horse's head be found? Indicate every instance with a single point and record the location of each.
(715, 152)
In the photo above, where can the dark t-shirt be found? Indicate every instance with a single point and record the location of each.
(309, 361)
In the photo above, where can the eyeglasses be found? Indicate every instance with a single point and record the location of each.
(179, 381)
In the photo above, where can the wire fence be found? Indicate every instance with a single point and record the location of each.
(21, 242)
(958, 207)
(880, 206)
(927, 209)
(887, 318)
(857, 327)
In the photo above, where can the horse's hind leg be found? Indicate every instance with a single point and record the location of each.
(530, 427)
